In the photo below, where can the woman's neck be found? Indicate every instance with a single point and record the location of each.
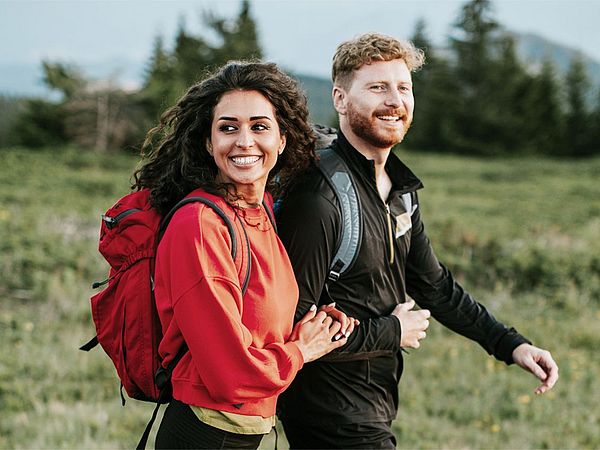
(247, 196)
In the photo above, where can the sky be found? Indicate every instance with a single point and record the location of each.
(115, 37)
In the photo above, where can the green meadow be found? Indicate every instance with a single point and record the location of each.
(523, 235)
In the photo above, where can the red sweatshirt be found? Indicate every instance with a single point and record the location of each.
(239, 359)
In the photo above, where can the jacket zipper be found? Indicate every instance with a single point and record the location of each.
(390, 233)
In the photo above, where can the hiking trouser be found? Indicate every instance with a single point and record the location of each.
(181, 429)
(376, 435)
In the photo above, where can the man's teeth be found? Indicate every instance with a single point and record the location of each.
(244, 160)
(389, 118)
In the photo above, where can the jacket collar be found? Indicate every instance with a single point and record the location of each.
(403, 179)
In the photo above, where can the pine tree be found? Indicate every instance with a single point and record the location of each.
(504, 109)
(577, 118)
(541, 114)
(594, 135)
(434, 90)
(239, 38)
(475, 123)
(169, 75)
(160, 72)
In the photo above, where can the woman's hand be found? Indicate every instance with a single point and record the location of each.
(314, 334)
(348, 323)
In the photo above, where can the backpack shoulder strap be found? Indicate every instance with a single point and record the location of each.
(269, 206)
(408, 202)
(337, 174)
(165, 222)
(163, 375)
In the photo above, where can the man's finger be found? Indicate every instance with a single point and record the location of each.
(409, 304)
(551, 371)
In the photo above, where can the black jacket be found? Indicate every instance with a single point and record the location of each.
(358, 382)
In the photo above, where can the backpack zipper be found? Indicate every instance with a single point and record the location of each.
(97, 284)
(112, 222)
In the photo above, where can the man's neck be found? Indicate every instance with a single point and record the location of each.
(378, 155)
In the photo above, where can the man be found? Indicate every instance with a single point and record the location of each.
(349, 398)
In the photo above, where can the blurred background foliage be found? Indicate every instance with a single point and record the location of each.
(518, 221)
(472, 95)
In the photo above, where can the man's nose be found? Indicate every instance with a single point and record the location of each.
(394, 98)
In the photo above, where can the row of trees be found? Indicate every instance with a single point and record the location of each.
(101, 115)
(480, 98)
(474, 97)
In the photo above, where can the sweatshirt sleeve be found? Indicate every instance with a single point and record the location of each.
(208, 308)
(308, 224)
(208, 316)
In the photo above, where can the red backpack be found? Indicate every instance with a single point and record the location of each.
(124, 313)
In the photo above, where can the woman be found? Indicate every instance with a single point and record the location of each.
(226, 139)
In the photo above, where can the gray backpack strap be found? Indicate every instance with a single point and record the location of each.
(339, 178)
(408, 203)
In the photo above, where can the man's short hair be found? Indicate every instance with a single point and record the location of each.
(366, 48)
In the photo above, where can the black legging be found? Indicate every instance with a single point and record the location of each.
(181, 429)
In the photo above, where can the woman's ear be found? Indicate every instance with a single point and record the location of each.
(282, 145)
(209, 148)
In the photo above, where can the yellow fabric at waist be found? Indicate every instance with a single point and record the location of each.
(234, 423)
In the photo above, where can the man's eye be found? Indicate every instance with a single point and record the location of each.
(378, 87)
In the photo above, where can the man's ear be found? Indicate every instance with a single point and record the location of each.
(338, 95)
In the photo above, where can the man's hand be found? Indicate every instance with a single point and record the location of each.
(412, 323)
(539, 362)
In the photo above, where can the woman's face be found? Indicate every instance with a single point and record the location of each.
(245, 140)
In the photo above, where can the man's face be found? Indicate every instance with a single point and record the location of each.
(377, 107)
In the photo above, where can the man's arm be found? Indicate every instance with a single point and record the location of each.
(433, 287)
(309, 224)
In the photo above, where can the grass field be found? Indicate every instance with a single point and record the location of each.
(523, 235)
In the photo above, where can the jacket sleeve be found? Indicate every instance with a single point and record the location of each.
(433, 287)
(309, 225)
(209, 312)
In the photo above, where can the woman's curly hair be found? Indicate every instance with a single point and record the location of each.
(176, 160)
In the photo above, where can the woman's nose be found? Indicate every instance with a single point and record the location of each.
(244, 139)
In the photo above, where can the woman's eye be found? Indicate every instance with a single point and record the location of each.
(260, 127)
(225, 128)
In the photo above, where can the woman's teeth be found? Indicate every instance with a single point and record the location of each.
(244, 160)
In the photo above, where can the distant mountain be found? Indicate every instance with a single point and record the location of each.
(25, 79)
(318, 91)
(534, 50)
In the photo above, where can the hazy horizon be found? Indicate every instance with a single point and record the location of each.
(106, 37)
